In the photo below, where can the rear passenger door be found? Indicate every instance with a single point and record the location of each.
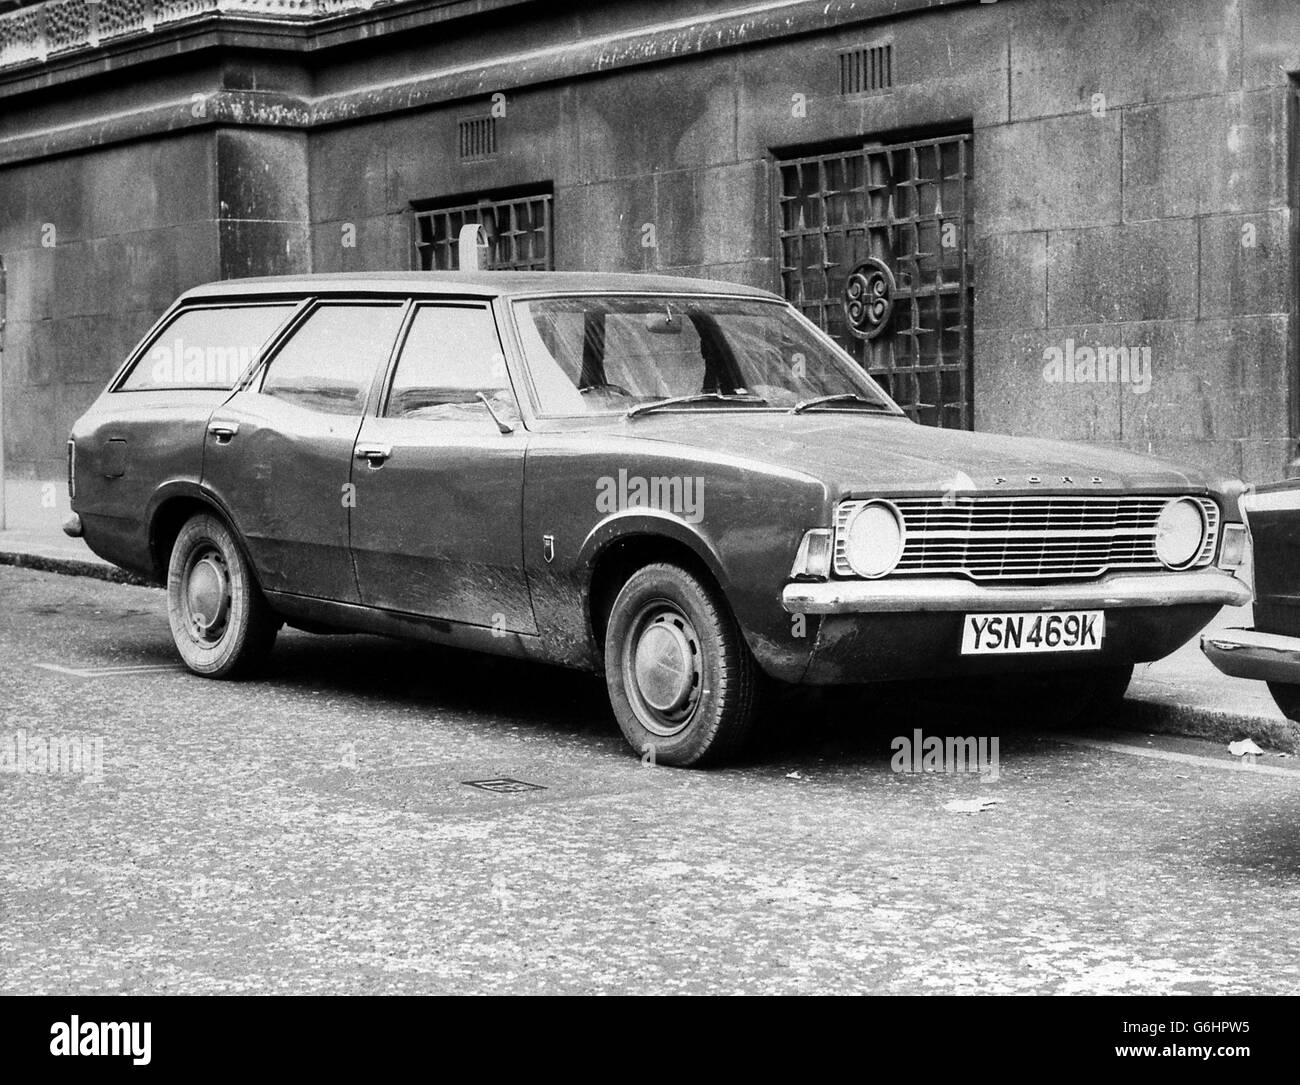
(439, 488)
(279, 451)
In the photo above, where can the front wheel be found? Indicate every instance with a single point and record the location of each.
(220, 621)
(681, 679)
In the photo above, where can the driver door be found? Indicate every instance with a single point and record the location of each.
(437, 527)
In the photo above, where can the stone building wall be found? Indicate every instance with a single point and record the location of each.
(1129, 179)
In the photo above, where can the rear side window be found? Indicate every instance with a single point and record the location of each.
(328, 363)
(207, 347)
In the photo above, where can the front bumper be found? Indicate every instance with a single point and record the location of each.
(1203, 587)
(1248, 653)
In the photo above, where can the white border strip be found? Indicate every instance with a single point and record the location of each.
(1180, 758)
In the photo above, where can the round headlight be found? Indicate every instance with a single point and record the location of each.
(874, 539)
(1180, 533)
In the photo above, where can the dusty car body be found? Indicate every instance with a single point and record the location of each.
(1270, 650)
(683, 483)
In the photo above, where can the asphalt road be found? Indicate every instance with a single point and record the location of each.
(312, 832)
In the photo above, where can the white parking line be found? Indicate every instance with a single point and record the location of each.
(1180, 758)
(109, 672)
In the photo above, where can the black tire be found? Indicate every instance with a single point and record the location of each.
(221, 623)
(1058, 699)
(1286, 695)
(681, 679)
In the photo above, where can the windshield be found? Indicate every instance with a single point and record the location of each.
(609, 353)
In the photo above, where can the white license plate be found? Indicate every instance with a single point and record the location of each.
(1059, 631)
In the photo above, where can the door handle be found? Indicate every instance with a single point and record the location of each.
(224, 432)
(375, 455)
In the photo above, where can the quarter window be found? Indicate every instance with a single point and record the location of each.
(205, 347)
(329, 362)
(451, 354)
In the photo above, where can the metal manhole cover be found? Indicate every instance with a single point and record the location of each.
(503, 785)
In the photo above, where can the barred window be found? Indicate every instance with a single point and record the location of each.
(873, 247)
(518, 232)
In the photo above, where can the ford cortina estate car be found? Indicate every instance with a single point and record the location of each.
(684, 485)
(1270, 651)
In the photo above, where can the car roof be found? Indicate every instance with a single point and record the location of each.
(486, 284)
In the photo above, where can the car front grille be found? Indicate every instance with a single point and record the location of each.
(1027, 538)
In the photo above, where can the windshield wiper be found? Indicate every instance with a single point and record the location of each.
(698, 397)
(842, 397)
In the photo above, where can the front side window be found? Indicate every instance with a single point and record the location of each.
(450, 355)
(329, 362)
(206, 347)
(594, 354)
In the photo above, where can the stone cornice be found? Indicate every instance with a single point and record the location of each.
(57, 29)
(728, 27)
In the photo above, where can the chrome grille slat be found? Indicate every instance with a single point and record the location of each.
(1027, 538)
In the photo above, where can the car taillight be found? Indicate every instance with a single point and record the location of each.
(72, 469)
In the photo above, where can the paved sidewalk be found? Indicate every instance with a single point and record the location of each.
(1181, 694)
(57, 553)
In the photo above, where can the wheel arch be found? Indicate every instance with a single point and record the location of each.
(172, 506)
(624, 543)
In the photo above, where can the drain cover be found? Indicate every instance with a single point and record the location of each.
(503, 785)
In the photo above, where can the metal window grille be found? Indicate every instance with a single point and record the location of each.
(478, 137)
(867, 69)
(518, 233)
(898, 215)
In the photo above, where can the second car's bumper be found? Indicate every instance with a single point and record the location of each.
(1248, 653)
(902, 595)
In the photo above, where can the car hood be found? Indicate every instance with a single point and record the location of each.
(858, 452)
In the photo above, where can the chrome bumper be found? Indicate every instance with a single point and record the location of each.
(1203, 587)
(1248, 653)
(72, 526)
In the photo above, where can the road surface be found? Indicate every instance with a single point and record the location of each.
(315, 831)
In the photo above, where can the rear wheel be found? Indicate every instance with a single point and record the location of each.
(1287, 697)
(220, 621)
(681, 680)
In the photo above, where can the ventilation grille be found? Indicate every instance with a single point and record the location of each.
(478, 138)
(868, 69)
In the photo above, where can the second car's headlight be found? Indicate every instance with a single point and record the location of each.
(873, 539)
(1180, 533)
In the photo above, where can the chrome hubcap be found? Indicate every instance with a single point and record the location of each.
(664, 664)
(207, 596)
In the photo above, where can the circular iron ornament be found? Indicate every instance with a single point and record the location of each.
(869, 298)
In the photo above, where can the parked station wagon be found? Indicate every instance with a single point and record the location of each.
(684, 485)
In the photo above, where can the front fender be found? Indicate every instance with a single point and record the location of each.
(652, 522)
